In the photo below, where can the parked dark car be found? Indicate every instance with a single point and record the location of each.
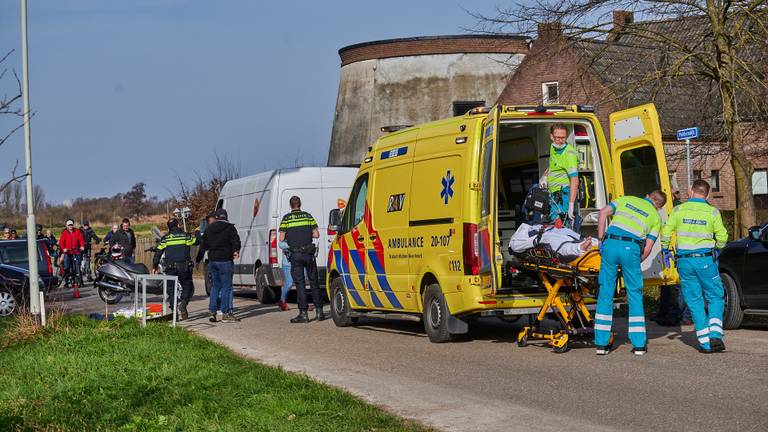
(14, 274)
(743, 265)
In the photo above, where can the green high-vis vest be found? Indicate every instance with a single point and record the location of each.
(698, 226)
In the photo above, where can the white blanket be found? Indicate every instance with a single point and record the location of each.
(564, 241)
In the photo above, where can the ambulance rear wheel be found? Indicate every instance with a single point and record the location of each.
(340, 309)
(436, 315)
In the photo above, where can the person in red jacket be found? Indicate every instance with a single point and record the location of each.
(72, 244)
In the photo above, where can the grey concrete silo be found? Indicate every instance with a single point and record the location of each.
(415, 80)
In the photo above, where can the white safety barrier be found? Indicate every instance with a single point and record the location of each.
(142, 280)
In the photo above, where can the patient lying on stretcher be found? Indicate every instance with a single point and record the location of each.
(567, 244)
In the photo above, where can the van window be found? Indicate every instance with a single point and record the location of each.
(640, 171)
(355, 209)
(486, 170)
(220, 204)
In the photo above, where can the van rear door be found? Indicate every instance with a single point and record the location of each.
(490, 267)
(639, 167)
(637, 152)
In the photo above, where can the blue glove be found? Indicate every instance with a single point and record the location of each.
(600, 247)
(716, 253)
(667, 258)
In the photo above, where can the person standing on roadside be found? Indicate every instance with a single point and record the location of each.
(700, 234)
(222, 243)
(175, 245)
(298, 228)
(624, 245)
(90, 238)
(72, 244)
(125, 238)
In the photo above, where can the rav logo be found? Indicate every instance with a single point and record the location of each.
(447, 191)
(396, 203)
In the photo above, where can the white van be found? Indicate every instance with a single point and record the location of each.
(256, 205)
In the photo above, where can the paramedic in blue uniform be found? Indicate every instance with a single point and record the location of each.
(700, 233)
(626, 243)
(298, 228)
(563, 176)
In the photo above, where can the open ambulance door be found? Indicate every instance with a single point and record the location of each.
(640, 167)
(490, 249)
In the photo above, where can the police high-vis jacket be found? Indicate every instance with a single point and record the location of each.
(563, 165)
(634, 217)
(176, 246)
(698, 225)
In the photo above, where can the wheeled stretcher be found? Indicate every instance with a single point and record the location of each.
(576, 279)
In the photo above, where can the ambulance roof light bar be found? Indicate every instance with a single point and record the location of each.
(479, 110)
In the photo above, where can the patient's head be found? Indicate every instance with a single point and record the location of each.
(658, 198)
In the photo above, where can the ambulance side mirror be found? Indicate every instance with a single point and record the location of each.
(334, 221)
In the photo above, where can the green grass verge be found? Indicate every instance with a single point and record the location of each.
(94, 376)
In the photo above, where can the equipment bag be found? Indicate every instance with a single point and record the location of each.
(537, 204)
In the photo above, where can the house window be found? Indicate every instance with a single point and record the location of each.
(760, 182)
(550, 92)
(462, 107)
(714, 181)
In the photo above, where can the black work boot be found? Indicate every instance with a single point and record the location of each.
(183, 314)
(717, 344)
(300, 318)
(319, 313)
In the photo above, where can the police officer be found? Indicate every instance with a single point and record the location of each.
(563, 176)
(175, 245)
(298, 228)
(700, 232)
(627, 242)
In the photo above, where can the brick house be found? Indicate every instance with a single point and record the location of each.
(611, 75)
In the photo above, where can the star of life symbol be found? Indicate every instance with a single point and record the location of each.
(447, 191)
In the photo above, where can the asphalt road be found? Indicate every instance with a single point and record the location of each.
(486, 382)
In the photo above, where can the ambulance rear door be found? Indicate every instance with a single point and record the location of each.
(490, 249)
(640, 165)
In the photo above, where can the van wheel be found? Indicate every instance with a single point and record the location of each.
(207, 279)
(264, 292)
(733, 314)
(436, 315)
(340, 309)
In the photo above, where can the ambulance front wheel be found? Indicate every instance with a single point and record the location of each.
(340, 305)
(436, 315)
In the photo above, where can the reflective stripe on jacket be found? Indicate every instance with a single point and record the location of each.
(698, 226)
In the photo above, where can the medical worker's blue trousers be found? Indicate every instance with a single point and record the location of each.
(700, 281)
(559, 206)
(626, 254)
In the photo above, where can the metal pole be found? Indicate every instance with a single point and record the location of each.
(35, 304)
(688, 159)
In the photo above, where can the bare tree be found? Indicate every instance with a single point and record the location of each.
(201, 193)
(9, 108)
(713, 51)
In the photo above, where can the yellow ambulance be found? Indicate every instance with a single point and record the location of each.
(425, 231)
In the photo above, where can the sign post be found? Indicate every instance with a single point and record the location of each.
(686, 135)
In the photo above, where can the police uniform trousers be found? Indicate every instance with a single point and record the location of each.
(183, 271)
(300, 262)
(626, 254)
(700, 281)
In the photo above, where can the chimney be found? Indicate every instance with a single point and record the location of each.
(621, 19)
(550, 30)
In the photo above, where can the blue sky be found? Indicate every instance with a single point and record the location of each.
(146, 90)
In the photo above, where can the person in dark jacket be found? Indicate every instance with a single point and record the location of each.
(222, 243)
(125, 238)
(90, 238)
(175, 245)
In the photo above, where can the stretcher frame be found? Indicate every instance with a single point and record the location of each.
(558, 277)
